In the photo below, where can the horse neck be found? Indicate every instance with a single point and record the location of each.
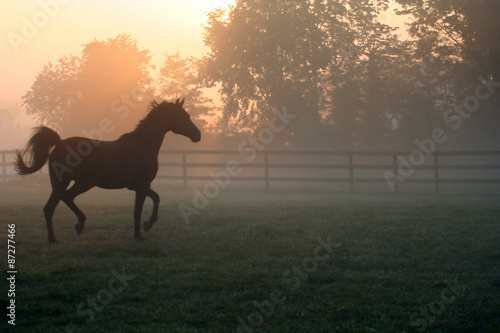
(152, 137)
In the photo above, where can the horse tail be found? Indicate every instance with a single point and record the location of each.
(39, 147)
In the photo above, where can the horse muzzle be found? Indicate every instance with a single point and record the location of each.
(196, 137)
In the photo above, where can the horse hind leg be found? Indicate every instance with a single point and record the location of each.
(58, 189)
(68, 198)
(48, 211)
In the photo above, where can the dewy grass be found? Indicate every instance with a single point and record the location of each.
(405, 264)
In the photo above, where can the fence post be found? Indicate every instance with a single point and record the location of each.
(184, 169)
(436, 173)
(266, 170)
(351, 173)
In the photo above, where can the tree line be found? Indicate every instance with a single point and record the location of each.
(350, 79)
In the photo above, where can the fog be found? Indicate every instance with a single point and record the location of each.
(341, 76)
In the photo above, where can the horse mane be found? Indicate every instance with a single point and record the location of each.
(153, 106)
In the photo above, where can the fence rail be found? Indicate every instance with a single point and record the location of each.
(269, 165)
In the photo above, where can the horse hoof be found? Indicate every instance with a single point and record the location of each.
(79, 228)
(147, 226)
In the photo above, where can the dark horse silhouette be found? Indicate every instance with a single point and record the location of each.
(129, 162)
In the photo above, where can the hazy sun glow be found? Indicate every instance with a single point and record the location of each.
(37, 32)
(160, 26)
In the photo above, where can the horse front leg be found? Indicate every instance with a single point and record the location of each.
(140, 196)
(154, 215)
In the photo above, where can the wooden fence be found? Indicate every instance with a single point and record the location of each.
(267, 163)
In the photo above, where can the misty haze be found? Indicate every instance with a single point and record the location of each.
(250, 166)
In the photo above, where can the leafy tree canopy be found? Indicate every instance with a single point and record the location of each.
(110, 80)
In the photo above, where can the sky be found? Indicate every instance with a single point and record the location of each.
(61, 27)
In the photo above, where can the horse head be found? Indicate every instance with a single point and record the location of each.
(172, 117)
(182, 124)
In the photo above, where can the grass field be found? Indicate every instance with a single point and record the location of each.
(257, 262)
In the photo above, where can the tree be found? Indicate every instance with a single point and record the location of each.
(418, 98)
(349, 79)
(361, 72)
(464, 36)
(267, 55)
(54, 93)
(179, 79)
(110, 81)
(329, 62)
(465, 30)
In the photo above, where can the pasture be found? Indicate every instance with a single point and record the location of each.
(252, 261)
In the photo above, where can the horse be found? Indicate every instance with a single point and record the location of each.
(129, 162)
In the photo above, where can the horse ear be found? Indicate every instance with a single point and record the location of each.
(177, 101)
(182, 102)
